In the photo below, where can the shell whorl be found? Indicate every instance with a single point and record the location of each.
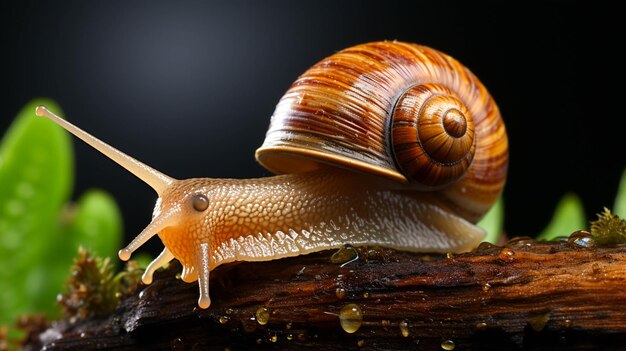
(432, 135)
(401, 111)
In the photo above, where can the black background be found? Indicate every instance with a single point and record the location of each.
(188, 87)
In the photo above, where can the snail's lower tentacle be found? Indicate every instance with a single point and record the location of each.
(203, 268)
(164, 257)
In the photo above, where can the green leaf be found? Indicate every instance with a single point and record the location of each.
(493, 222)
(620, 200)
(97, 225)
(568, 217)
(36, 176)
(94, 222)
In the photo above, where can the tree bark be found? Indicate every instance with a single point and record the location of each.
(525, 295)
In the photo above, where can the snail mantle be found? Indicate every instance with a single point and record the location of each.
(523, 295)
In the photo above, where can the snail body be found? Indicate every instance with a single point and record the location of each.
(384, 143)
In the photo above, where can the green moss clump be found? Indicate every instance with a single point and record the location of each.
(94, 289)
(609, 229)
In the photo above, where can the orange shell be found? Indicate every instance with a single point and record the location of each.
(340, 113)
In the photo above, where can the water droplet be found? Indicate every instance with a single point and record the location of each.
(83, 335)
(350, 318)
(582, 239)
(449, 255)
(229, 311)
(486, 287)
(561, 238)
(302, 337)
(345, 255)
(289, 336)
(274, 338)
(486, 246)
(567, 323)
(481, 325)
(224, 319)
(404, 328)
(448, 345)
(341, 293)
(366, 295)
(262, 315)
(506, 255)
(538, 322)
(520, 241)
(259, 341)
(385, 323)
(288, 326)
(360, 343)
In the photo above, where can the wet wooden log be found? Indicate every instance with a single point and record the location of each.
(526, 295)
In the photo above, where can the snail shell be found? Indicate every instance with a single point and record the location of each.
(401, 111)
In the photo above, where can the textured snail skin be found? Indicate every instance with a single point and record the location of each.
(282, 216)
(384, 143)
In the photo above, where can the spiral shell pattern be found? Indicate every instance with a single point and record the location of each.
(374, 108)
(432, 135)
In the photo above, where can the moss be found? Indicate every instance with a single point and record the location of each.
(24, 332)
(609, 229)
(94, 289)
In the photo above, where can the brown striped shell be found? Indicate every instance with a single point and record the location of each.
(401, 111)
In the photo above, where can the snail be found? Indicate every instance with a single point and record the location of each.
(385, 143)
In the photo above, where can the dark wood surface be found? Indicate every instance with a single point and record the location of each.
(526, 295)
